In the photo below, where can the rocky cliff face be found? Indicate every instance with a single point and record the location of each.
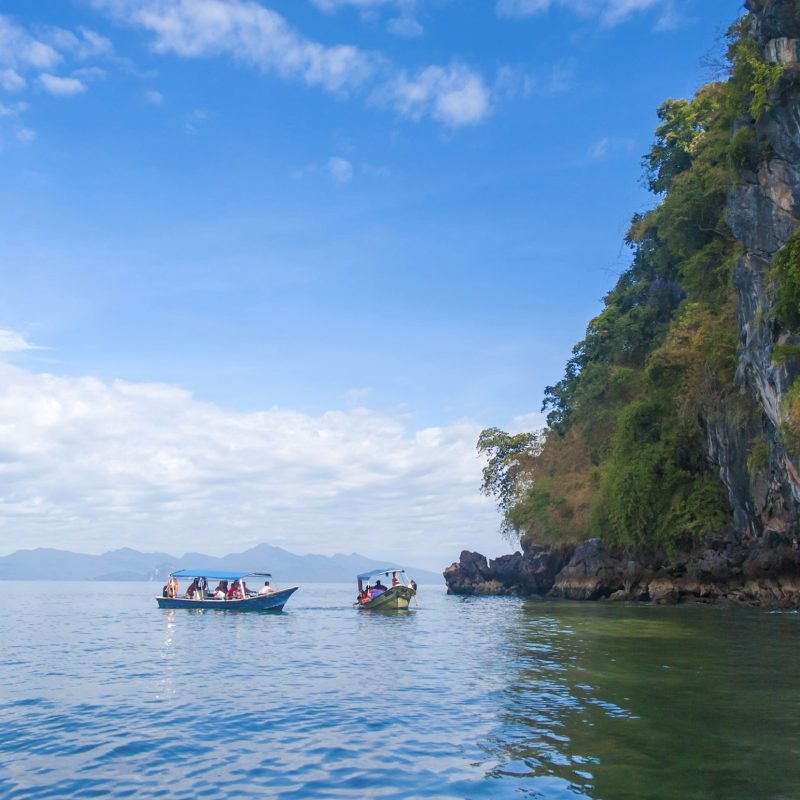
(763, 212)
(758, 559)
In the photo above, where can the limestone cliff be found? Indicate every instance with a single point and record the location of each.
(763, 211)
(689, 381)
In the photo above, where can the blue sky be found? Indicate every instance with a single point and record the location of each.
(351, 232)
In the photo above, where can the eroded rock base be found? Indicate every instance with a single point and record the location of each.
(765, 572)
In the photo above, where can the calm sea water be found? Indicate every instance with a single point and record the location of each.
(104, 695)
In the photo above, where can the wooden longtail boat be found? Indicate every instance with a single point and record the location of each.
(395, 597)
(243, 599)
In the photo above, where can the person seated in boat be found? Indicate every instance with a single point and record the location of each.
(221, 592)
(395, 580)
(236, 592)
(377, 589)
(190, 592)
(202, 588)
(248, 592)
(172, 587)
(266, 588)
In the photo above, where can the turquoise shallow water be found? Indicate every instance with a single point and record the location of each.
(104, 695)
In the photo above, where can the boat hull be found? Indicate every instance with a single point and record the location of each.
(275, 601)
(396, 598)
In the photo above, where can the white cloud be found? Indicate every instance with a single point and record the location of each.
(335, 5)
(13, 342)
(83, 45)
(248, 32)
(375, 171)
(528, 423)
(407, 27)
(194, 120)
(25, 135)
(521, 8)
(55, 84)
(513, 82)
(606, 146)
(340, 168)
(600, 148)
(454, 95)
(154, 97)
(20, 50)
(90, 465)
(89, 73)
(616, 11)
(7, 111)
(610, 12)
(12, 81)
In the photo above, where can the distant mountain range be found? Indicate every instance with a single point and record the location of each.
(131, 565)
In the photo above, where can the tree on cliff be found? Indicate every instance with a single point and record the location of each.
(505, 475)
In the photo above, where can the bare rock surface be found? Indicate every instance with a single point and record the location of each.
(763, 572)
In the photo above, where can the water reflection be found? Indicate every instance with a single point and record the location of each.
(167, 673)
(542, 705)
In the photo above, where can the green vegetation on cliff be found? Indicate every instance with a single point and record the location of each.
(625, 455)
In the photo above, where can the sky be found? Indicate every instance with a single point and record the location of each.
(269, 267)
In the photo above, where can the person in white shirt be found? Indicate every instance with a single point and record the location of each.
(266, 588)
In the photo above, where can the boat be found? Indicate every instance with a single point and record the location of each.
(395, 597)
(241, 598)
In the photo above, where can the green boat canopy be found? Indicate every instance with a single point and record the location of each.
(219, 574)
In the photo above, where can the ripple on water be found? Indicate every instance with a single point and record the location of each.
(467, 698)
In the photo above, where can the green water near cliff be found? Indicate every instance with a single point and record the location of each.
(644, 702)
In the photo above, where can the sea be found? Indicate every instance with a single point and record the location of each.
(103, 695)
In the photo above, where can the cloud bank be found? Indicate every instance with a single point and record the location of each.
(254, 34)
(30, 58)
(90, 466)
(610, 12)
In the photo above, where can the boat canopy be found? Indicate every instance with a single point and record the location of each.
(372, 573)
(219, 574)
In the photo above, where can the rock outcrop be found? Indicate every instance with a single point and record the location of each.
(765, 573)
(532, 572)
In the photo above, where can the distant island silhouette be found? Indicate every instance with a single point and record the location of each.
(126, 564)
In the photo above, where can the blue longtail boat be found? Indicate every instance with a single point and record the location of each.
(230, 594)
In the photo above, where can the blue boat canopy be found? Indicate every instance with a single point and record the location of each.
(372, 573)
(219, 574)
